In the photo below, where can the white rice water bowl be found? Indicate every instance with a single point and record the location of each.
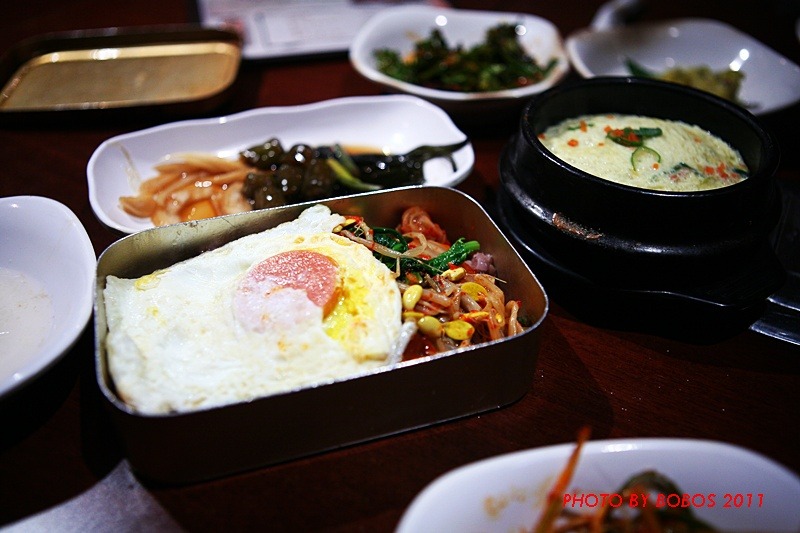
(47, 269)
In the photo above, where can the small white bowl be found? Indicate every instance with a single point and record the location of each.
(395, 124)
(771, 81)
(507, 492)
(399, 28)
(44, 251)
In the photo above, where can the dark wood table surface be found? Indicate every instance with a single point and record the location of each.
(61, 467)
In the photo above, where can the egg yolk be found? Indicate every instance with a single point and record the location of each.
(312, 272)
(285, 287)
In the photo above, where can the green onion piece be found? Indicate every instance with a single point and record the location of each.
(644, 158)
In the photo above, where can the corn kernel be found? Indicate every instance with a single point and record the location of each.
(454, 274)
(475, 290)
(430, 326)
(349, 221)
(459, 330)
(411, 296)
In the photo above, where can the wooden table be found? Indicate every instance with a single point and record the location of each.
(61, 468)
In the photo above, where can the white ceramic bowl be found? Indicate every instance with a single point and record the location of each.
(400, 27)
(396, 124)
(506, 493)
(46, 253)
(771, 81)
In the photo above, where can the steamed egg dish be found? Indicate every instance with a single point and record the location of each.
(292, 306)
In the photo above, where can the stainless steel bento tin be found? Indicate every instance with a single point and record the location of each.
(189, 447)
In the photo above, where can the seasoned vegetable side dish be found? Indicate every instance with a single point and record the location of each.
(314, 299)
(450, 295)
(560, 518)
(724, 83)
(498, 63)
(197, 186)
(646, 152)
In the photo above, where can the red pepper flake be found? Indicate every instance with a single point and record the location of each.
(541, 136)
(655, 166)
(583, 126)
(572, 142)
(709, 170)
(721, 171)
(607, 129)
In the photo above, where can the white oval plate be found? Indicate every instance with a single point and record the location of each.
(398, 28)
(771, 81)
(395, 123)
(45, 242)
(506, 493)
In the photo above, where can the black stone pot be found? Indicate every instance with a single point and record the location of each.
(703, 253)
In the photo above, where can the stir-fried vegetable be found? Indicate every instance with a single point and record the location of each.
(557, 518)
(724, 83)
(498, 63)
(309, 173)
(196, 185)
(391, 247)
(553, 506)
(378, 171)
(450, 295)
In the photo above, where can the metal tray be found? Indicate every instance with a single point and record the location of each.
(189, 447)
(781, 318)
(173, 68)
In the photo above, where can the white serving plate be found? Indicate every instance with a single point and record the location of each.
(517, 485)
(44, 241)
(771, 81)
(394, 123)
(400, 27)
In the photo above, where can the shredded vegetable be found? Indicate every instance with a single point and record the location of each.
(451, 296)
(557, 517)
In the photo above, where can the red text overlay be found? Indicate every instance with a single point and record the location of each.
(660, 501)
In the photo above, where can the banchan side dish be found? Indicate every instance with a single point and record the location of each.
(687, 263)
(646, 152)
(209, 442)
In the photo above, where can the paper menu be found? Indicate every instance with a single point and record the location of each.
(285, 28)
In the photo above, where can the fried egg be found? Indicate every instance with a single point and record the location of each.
(270, 312)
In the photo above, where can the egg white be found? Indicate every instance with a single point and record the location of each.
(174, 342)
